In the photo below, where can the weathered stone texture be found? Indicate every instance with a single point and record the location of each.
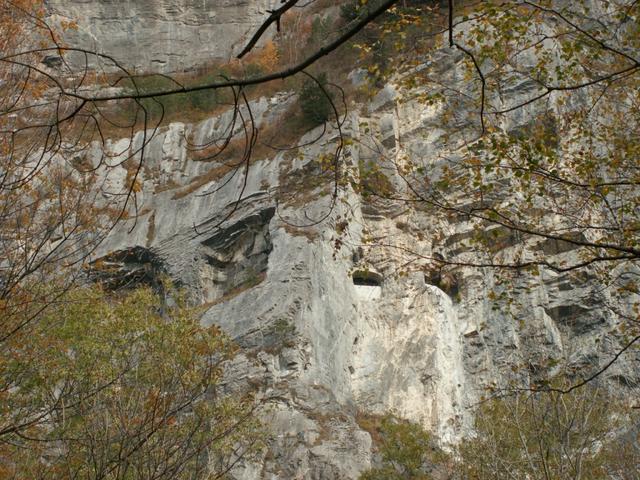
(320, 346)
(161, 35)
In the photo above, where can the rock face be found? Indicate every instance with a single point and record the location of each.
(328, 334)
(331, 333)
(330, 328)
(161, 35)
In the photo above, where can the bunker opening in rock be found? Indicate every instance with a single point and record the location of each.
(368, 284)
(366, 278)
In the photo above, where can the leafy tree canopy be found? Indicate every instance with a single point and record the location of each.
(586, 434)
(119, 387)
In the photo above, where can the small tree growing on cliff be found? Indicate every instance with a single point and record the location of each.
(406, 450)
(315, 101)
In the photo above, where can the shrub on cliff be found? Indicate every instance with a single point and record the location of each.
(315, 100)
(405, 450)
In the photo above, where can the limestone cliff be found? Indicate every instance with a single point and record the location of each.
(330, 332)
(324, 338)
(161, 35)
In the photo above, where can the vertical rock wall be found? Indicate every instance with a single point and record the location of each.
(161, 35)
(330, 334)
(322, 344)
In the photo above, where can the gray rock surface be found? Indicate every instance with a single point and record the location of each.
(327, 343)
(161, 35)
(324, 341)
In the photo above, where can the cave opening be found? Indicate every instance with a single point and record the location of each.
(368, 284)
(366, 278)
